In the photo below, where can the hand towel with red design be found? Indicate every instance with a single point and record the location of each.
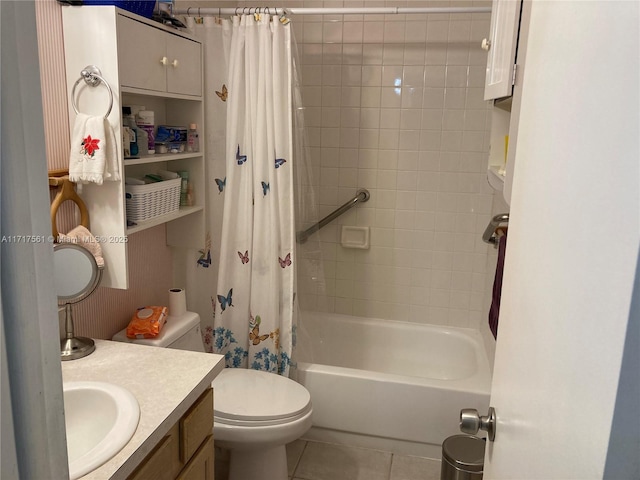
(93, 156)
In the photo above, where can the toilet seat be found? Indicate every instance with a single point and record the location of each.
(256, 398)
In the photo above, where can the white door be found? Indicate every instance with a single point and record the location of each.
(573, 243)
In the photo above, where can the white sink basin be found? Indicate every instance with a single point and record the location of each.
(100, 419)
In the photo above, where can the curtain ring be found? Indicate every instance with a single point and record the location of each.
(219, 12)
(235, 11)
(188, 14)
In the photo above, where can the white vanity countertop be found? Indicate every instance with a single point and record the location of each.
(165, 382)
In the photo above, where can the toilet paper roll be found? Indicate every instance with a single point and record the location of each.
(177, 302)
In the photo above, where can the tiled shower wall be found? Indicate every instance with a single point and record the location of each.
(394, 104)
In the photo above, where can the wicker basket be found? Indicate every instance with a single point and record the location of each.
(145, 202)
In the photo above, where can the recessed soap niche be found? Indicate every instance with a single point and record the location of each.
(355, 237)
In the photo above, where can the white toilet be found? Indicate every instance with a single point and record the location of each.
(254, 432)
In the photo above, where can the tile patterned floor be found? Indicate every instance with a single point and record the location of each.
(325, 461)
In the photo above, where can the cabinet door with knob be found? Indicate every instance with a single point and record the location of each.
(184, 68)
(501, 46)
(153, 59)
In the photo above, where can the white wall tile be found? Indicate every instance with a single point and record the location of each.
(312, 32)
(373, 32)
(352, 54)
(332, 32)
(392, 76)
(415, 32)
(389, 117)
(372, 53)
(414, 54)
(351, 96)
(369, 118)
(411, 97)
(369, 138)
(389, 139)
(393, 54)
(349, 157)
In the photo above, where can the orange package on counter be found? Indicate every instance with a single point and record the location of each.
(147, 322)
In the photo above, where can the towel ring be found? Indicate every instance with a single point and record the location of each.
(92, 76)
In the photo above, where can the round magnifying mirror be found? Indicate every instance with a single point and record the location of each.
(76, 276)
(76, 272)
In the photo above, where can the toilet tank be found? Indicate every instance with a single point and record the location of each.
(180, 332)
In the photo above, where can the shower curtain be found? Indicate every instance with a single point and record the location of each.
(254, 303)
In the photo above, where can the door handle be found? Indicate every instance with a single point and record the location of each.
(471, 422)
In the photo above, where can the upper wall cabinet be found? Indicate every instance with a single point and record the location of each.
(152, 59)
(506, 111)
(146, 65)
(502, 46)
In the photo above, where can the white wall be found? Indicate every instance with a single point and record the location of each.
(394, 104)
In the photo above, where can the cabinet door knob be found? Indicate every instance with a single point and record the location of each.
(174, 64)
(486, 44)
(163, 61)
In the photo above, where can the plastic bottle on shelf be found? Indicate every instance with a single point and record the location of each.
(145, 119)
(193, 140)
(190, 200)
(184, 188)
(129, 121)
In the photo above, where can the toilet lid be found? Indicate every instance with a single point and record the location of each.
(255, 396)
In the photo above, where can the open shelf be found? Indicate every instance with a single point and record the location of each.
(496, 179)
(159, 220)
(160, 157)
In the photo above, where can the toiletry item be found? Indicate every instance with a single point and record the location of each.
(126, 141)
(177, 302)
(133, 181)
(143, 142)
(184, 188)
(190, 200)
(168, 133)
(154, 178)
(193, 142)
(167, 175)
(145, 119)
(174, 138)
(129, 121)
(147, 322)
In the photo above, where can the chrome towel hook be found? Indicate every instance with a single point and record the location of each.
(92, 76)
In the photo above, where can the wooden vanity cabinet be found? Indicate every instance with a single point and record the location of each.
(186, 452)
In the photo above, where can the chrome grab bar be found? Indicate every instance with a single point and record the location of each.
(489, 235)
(362, 195)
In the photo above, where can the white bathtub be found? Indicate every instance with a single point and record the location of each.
(397, 386)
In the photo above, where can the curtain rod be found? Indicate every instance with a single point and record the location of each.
(199, 12)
